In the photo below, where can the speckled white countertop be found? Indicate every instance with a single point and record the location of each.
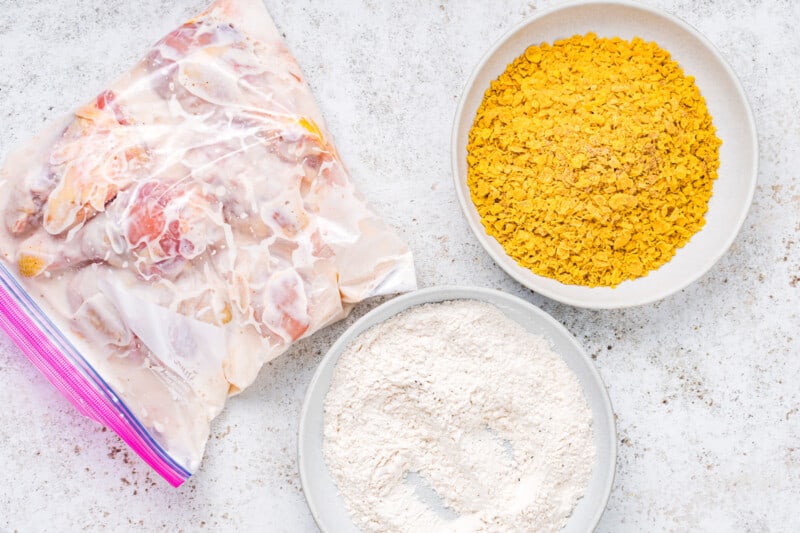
(704, 383)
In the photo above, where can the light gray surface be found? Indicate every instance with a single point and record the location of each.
(705, 383)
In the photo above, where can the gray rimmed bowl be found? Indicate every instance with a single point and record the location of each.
(725, 99)
(320, 491)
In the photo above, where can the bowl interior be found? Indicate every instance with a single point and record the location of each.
(733, 190)
(320, 491)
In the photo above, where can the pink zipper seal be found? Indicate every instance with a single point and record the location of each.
(79, 387)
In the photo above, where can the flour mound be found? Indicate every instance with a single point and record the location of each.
(452, 417)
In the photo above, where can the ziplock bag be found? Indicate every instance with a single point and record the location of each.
(164, 241)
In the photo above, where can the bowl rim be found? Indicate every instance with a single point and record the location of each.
(518, 272)
(443, 293)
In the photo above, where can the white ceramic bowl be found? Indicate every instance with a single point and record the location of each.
(733, 190)
(320, 491)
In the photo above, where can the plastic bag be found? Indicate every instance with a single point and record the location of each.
(164, 241)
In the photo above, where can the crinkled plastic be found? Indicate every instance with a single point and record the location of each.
(164, 241)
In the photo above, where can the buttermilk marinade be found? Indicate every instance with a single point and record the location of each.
(192, 221)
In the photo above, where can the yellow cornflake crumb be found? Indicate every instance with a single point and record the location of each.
(592, 160)
(30, 266)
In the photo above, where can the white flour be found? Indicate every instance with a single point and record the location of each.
(454, 404)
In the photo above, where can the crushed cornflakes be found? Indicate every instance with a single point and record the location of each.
(592, 160)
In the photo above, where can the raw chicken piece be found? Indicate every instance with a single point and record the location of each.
(193, 221)
(94, 157)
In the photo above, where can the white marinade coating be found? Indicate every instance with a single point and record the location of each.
(193, 221)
